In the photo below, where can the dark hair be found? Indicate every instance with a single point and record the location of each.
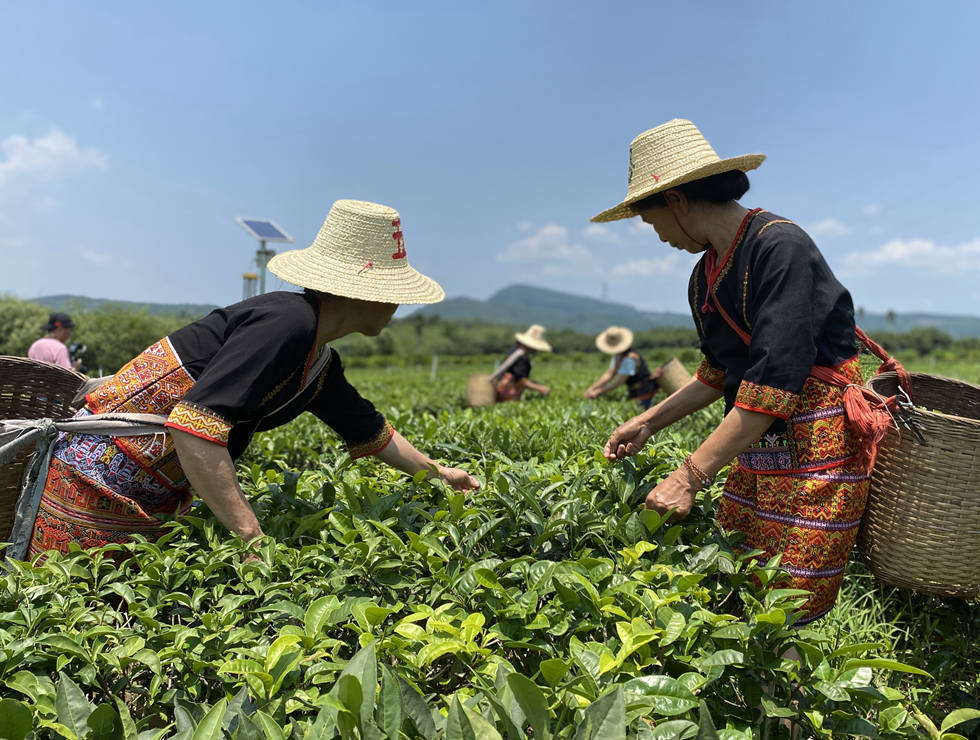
(720, 188)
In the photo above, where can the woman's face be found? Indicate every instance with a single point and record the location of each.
(669, 231)
(376, 316)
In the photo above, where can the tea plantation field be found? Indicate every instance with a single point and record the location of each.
(547, 604)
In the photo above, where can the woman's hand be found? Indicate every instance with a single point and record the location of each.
(676, 492)
(458, 479)
(591, 393)
(627, 440)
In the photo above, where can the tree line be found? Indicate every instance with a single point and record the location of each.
(114, 334)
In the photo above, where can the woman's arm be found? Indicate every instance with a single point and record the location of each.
(528, 383)
(630, 437)
(592, 390)
(737, 431)
(401, 454)
(211, 472)
(609, 385)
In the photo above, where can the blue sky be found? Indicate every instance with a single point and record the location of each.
(131, 136)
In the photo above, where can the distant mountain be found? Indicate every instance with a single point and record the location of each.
(84, 303)
(526, 304)
(518, 305)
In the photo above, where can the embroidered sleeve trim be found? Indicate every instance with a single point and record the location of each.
(200, 421)
(766, 399)
(711, 375)
(374, 445)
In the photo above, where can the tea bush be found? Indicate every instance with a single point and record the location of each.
(546, 604)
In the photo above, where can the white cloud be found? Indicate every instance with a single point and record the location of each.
(550, 242)
(669, 264)
(828, 227)
(523, 225)
(97, 103)
(920, 254)
(872, 209)
(551, 251)
(46, 157)
(596, 231)
(96, 258)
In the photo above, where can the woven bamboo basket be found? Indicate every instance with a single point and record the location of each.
(921, 528)
(674, 376)
(29, 390)
(480, 390)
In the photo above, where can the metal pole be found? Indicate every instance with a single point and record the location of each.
(262, 259)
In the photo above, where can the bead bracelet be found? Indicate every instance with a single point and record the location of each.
(704, 480)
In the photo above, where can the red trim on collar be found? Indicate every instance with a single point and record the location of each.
(712, 268)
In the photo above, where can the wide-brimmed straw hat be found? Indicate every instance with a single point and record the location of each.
(614, 340)
(533, 338)
(671, 155)
(359, 253)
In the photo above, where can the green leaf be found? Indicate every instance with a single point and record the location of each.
(389, 711)
(605, 719)
(317, 614)
(462, 723)
(209, 728)
(831, 691)
(958, 716)
(886, 665)
(350, 693)
(16, 720)
(364, 667)
(674, 729)
(674, 629)
(126, 720)
(72, 706)
(553, 670)
(268, 726)
(723, 657)
(278, 648)
(104, 724)
(416, 710)
(532, 703)
(706, 727)
(665, 695)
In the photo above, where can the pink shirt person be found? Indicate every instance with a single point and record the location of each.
(52, 348)
(49, 349)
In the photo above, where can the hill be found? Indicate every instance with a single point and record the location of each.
(525, 304)
(84, 303)
(519, 305)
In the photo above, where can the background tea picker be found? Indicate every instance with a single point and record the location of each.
(626, 366)
(514, 373)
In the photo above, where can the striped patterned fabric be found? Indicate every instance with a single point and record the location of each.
(801, 494)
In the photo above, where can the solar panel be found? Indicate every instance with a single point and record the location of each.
(264, 230)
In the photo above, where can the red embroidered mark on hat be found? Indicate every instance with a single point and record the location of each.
(656, 178)
(367, 266)
(400, 239)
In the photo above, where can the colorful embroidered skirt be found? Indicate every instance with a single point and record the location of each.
(801, 494)
(97, 494)
(509, 388)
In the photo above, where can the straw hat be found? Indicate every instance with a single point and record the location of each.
(534, 338)
(614, 340)
(359, 253)
(671, 155)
